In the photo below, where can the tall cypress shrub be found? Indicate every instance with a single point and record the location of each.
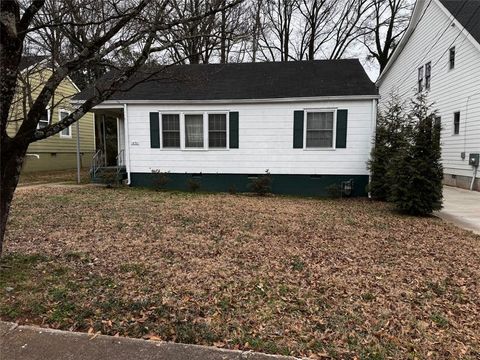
(416, 173)
(393, 129)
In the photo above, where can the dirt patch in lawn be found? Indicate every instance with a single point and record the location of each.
(321, 278)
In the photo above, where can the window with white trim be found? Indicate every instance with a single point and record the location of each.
(194, 131)
(44, 120)
(171, 131)
(217, 131)
(451, 58)
(428, 75)
(320, 129)
(67, 132)
(420, 79)
(456, 123)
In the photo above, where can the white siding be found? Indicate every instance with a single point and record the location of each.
(265, 142)
(451, 90)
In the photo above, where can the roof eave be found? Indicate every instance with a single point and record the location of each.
(236, 101)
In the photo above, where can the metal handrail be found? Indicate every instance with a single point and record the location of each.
(97, 161)
(121, 158)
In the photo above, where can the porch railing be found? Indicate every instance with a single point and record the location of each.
(121, 158)
(98, 161)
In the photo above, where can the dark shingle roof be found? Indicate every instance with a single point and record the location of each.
(29, 60)
(467, 12)
(247, 81)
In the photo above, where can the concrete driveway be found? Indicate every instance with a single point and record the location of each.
(462, 207)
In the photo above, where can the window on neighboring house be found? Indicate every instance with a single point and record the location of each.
(44, 120)
(420, 79)
(428, 75)
(319, 129)
(456, 123)
(194, 131)
(217, 130)
(452, 58)
(67, 132)
(171, 130)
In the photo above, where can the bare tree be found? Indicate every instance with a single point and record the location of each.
(351, 25)
(317, 17)
(98, 30)
(275, 39)
(257, 27)
(210, 38)
(389, 21)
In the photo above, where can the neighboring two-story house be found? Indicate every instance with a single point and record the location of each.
(440, 54)
(59, 151)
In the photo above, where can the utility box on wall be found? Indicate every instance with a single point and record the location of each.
(474, 159)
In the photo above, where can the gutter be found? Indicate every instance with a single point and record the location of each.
(120, 103)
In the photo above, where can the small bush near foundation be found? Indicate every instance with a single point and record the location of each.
(109, 178)
(232, 190)
(193, 185)
(161, 179)
(262, 185)
(334, 191)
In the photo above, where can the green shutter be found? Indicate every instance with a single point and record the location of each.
(154, 130)
(298, 129)
(342, 119)
(233, 125)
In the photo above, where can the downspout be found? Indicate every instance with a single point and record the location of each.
(475, 168)
(373, 131)
(127, 142)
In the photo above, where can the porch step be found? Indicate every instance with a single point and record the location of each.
(109, 175)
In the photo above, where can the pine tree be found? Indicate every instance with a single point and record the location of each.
(393, 129)
(417, 171)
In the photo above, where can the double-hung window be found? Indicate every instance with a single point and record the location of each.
(171, 130)
(67, 132)
(428, 75)
(194, 131)
(44, 120)
(451, 58)
(456, 123)
(420, 79)
(320, 129)
(217, 131)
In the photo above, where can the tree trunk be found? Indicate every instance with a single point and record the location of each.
(223, 37)
(12, 159)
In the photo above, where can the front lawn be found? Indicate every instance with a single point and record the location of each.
(322, 278)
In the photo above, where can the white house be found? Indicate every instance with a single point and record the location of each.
(309, 124)
(440, 54)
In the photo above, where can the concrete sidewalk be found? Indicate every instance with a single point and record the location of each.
(32, 343)
(461, 207)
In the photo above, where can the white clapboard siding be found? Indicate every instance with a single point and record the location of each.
(450, 89)
(265, 142)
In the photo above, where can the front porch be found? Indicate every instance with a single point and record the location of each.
(108, 162)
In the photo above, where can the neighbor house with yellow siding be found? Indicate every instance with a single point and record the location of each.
(58, 151)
